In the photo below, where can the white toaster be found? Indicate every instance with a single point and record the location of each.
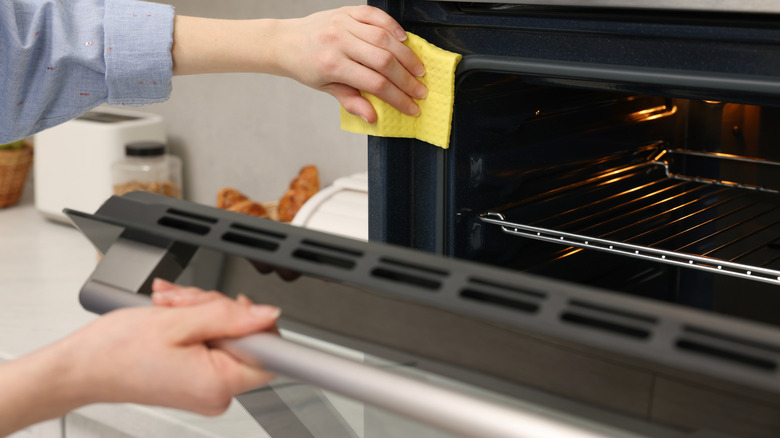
(72, 161)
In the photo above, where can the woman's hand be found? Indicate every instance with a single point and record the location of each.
(149, 355)
(337, 51)
(161, 356)
(354, 48)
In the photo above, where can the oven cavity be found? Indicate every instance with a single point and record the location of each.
(665, 196)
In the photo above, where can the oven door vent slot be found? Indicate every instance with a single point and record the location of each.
(250, 241)
(326, 254)
(729, 348)
(403, 277)
(411, 274)
(184, 225)
(498, 300)
(190, 215)
(494, 294)
(252, 230)
(253, 237)
(615, 321)
(323, 258)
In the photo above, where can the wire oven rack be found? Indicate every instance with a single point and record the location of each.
(655, 210)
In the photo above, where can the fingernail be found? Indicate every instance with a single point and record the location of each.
(265, 311)
(419, 71)
(159, 283)
(400, 34)
(421, 92)
(414, 109)
(366, 120)
(166, 295)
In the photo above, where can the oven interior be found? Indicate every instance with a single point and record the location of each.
(662, 192)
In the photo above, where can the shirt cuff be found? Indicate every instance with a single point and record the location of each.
(138, 41)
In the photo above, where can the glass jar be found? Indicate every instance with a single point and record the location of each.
(147, 167)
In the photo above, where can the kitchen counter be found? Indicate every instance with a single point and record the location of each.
(43, 265)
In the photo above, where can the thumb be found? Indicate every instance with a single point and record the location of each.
(242, 377)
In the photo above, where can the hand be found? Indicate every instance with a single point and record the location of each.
(160, 356)
(167, 294)
(338, 51)
(350, 49)
(149, 355)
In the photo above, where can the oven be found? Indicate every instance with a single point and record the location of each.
(623, 145)
(598, 249)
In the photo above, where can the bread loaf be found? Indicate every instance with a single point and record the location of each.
(233, 200)
(303, 187)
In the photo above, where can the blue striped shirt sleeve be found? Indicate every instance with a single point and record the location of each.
(59, 58)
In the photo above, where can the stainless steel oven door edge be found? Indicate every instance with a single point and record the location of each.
(752, 6)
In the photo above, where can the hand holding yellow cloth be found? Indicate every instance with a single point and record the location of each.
(433, 124)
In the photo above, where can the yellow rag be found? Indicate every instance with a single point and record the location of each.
(433, 124)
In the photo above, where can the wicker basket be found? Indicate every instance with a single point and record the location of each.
(14, 168)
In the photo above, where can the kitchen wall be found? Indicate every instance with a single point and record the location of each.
(254, 132)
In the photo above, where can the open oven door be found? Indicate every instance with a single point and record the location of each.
(448, 314)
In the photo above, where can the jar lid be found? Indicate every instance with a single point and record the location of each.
(144, 148)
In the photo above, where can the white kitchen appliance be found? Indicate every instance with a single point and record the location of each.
(72, 164)
(341, 208)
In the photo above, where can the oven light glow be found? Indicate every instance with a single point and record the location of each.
(648, 114)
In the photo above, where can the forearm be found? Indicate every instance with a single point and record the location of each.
(37, 387)
(204, 45)
(60, 59)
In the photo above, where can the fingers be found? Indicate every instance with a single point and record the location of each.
(231, 318)
(165, 293)
(357, 48)
(226, 319)
(405, 57)
(384, 67)
(378, 17)
(393, 85)
(353, 101)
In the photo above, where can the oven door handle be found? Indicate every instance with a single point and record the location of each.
(434, 405)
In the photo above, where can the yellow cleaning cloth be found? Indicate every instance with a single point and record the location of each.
(433, 124)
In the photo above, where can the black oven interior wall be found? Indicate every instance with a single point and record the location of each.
(688, 176)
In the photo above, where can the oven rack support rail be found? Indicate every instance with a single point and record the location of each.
(160, 235)
(692, 261)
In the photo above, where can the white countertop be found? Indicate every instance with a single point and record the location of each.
(43, 265)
